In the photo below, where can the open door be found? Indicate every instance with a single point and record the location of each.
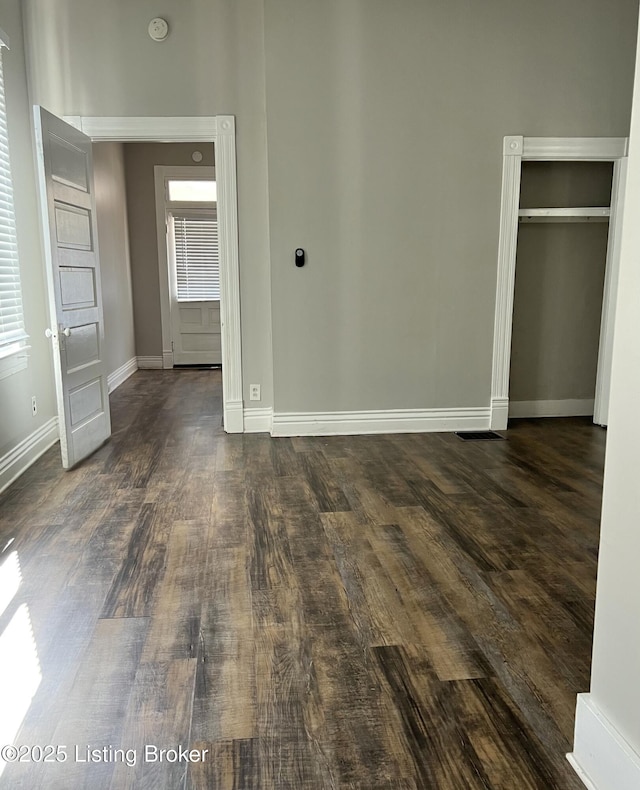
(67, 202)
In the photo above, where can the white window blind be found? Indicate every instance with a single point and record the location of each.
(12, 332)
(197, 257)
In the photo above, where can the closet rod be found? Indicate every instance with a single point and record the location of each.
(577, 214)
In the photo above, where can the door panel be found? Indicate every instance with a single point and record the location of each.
(73, 278)
(69, 164)
(196, 333)
(73, 227)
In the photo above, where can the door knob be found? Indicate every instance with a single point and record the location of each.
(48, 333)
(66, 331)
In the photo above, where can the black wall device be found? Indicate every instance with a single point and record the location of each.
(300, 257)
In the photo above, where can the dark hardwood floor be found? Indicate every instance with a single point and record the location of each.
(409, 611)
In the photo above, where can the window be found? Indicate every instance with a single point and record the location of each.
(196, 257)
(192, 191)
(12, 333)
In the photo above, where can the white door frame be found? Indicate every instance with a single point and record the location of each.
(160, 174)
(552, 149)
(219, 130)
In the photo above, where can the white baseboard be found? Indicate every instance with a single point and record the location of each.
(601, 757)
(150, 363)
(258, 420)
(389, 421)
(167, 360)
(119, 376)
(26, 452)
(551, 408)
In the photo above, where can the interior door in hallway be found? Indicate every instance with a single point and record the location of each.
(195, 287)
(70, 238)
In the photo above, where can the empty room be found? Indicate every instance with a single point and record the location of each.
(319, 364)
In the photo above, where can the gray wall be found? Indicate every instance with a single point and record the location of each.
(384, 153)
(140, 159)
(94, 57)
(385, 126)
(113, 240)
(16, 420)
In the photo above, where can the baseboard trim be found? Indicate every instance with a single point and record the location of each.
(582, 407)
(150, 363)
(119, 376)
(167, 360)
(258, 420)
(27, 452)
(601, 757)
(390, 421)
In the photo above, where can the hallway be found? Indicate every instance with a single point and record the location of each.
(407, 611)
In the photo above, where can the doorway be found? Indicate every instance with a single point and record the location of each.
(517, 149)
(219, 130)
(559, 288)
(188, 251)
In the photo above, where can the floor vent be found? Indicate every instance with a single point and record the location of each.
(479, 436)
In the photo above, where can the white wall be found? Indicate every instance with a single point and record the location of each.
(615, 680)
(115, 264)
(94, 57)
(16, 421)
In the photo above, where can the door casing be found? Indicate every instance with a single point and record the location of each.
(517, 148)
(219, 130)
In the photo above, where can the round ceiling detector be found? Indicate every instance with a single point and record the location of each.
(158, 29)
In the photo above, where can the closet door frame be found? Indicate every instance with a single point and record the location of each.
(516, 149)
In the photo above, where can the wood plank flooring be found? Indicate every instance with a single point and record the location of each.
(410, 612)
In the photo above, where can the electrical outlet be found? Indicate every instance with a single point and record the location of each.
(254, 392)
(34, 405)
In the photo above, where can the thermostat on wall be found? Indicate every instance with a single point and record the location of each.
(158, 29)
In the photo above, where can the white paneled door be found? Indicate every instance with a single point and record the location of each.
(195, 286)
(73, 275)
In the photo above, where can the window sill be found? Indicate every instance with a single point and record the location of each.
(13, 360)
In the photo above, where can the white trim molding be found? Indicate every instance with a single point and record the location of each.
(569, 149)
(27, 452)
(601, 757)
(150, 363)
(348, 423)
(221, 131)
(517, 148)
(258, 420)
(119, 376)
(605, 348)
(130, 129)
(505, 288)
(571, 407)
